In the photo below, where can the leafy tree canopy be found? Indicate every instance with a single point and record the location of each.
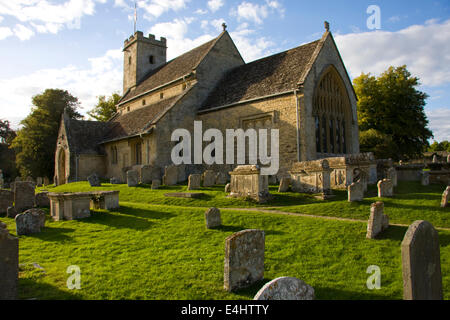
(6, 133)
(7, 156)
(105, 108)
(393, 108)
(440, 146)
(36, 141)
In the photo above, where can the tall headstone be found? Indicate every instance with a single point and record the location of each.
(209, 178)
(6, 200)
(244, 259)
(385, 188)
(378, 221)
(46, 181)
(23, 195)
(94, 180)
(285, 288)
(9, 264)
(150, 173)
(194, 181)
(435, 159)
(41, 199)
(391, 174)
(445, 197)
(132, 178)
(421, 263)
(448, 158)
(39, 181)
(221, 178)
(212, 218)
(355, 191)
(156, 184)
(170, 177)
(425, 178)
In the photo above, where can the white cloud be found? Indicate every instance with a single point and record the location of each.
(155, 8)
(257, 12)
(439, 122)
(5, 32)
(201, 11)
(1, 19)
(425, 49)
(215, 5)
(217, 24)
(22, 32)
(102, 77)
(251, 48)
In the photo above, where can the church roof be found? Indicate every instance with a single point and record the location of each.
(270, 75)
(171, 70)
(83, 136)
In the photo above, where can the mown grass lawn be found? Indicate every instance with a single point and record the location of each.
(146, 250)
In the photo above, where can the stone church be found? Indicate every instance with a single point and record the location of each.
(305, 92)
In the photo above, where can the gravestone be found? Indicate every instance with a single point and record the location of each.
(31, 221)
(228, 188)
(114, 180)
(17, 179)
(39, 181)
(23, 195)
(244, 259)
(11, 212)
(30, 179)
(425, 178)
(248, 183)
(421, 263)
(385, 188)
(391, 174)
(9, 264)
(378, 221)
(94, 180)
(150, 173)
(209, 178)
(285, 288)
(273, 179)
(41, 199)
(445, 197)
(156, 184)
(212, 218)
(284, 185)
(355, 192)
(221, 178)
(170, 177)
(132, 178)
(46, 181)
(195, 181)
(435, 159)
(6, 200)
(448, 158)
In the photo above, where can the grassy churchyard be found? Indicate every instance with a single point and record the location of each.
(157, 247)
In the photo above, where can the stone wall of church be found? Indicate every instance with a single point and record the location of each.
(89, 164)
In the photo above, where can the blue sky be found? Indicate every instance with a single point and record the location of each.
(76, 44)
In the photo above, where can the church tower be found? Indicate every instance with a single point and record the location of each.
(140, 56)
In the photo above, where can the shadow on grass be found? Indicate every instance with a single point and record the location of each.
(327, 293)
(118, 221)
(235, 229)
(53, 234)
(31, 289)
(144, 213)
(252, 290)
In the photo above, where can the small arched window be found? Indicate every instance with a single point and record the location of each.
(161, 95)
(143, 102)
(151, 59)
(129, 60)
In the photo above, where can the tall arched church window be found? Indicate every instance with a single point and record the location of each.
(332, 113)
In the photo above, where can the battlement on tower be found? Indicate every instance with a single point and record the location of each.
(139, 36)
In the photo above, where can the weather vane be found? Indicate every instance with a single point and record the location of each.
(135, 17)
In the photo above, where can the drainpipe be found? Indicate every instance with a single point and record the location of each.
(298, 124)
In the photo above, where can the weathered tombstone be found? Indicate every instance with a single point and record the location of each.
(448, 158)
(284, 185)
(221, 178)
(391, 174)
(114, 180)
(194, 181)
(378, 221)
(30, 179)
(228, 188)
(244, 259)
(311, 177)
(11, 212)
(41, 199)
(385, 188)
(94, 180)
(132, 178)
(247, 182)
(6, 200)
(355, 191)
(445, 197)
(46, 181)
(156, 184)
(421, 263)
(70, 206)
(150, 173)
(181, 173)
(425, 179)
(23, 195)
(435, 159)
(31, 221)
(170, 177)
(209, 178)
(39, 181)
(17, 179)
(273, 179)
(9, 264)
(212, 218)
(285, 288)
(108, 200)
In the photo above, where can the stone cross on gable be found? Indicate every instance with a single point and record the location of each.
(327, 26)
(224, 26)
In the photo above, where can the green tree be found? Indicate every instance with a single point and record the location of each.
(440, 146)
(393, 108)
(105, 107)
(7, 155)
(35, 143)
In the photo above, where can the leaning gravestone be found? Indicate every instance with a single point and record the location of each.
(42, 200)
(23, 195)
(285, 288)
(9, 264)
(170, 177)
(378, 221)
(355, 191)
(6, 200)
(244, 259)
(445, 197)
(94, 180)
(385, 188)
(425, 178)
(284, 185)
(132, 178)
(209, 178)
(212, 218)
(194, 181)
(156, 184)
(221, 178)
(421, 263)
(31, 221)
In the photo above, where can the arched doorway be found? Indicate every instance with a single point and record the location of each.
(61, 167)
